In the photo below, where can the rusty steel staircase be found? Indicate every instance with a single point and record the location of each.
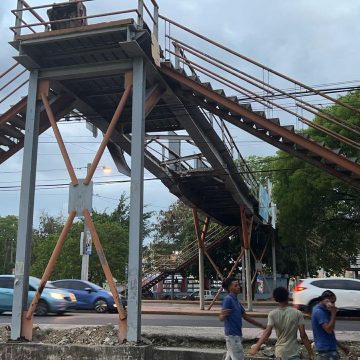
(160, 269)
(270, 130)
(13, 121)
(255, 101)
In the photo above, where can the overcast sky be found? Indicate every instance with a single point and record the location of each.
(315, 42)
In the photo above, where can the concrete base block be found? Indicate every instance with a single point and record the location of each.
(23, 351)
(162, 353)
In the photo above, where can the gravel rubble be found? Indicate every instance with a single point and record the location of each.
(108, 335)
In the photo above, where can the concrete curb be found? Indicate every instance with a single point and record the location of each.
(198, 312)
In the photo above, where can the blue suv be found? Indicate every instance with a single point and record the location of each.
(89, 296)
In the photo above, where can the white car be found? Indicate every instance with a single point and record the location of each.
(347, 293)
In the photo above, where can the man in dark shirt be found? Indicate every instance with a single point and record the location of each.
(323, 324)
(232, 313)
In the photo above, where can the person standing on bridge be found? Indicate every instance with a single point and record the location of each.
(286, 321)
(232, 313)
(323, 319)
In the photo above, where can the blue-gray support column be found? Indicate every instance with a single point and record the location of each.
(26, 211)
(18, 18)
(136, 201)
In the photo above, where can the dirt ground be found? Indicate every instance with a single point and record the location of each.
(108, 335)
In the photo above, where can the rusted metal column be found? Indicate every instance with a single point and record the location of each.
(50, 266)
(108, 275)
(229, 274)
(246, 225)
(261, 257)
(109, 131)
(201, 258)
(214, 265)
(64, 153)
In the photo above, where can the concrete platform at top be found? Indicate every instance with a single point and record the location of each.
(89, 63)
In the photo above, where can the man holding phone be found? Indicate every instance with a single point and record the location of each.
(323, 324)
(232, 313)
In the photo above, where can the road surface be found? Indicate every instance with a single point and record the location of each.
(91, 318)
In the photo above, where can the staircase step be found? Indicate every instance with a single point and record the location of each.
(11, 131)
(275, 120)
(300, 148)
(195, 78)
(289, 127)
(207, 84)
(18, 122)
(220, 92)
(353, 159)
(246, 105)
(182, 71)
(6, 141)
(304, 135)
(274, 134)
(337, 151)
(260, 113)
(233, 98)
(247, 121)
(320, 143)
(168, 64)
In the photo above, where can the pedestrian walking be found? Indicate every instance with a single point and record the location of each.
(286, 321)
(232, 313)
(323, 320)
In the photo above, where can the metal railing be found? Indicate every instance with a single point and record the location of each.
(23, 8)
(265, 90)
(11, 78)
(231, 147)
(169, 157)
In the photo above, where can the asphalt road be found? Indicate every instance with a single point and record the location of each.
(89, 318)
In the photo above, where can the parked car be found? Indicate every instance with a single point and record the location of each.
(208, 295)
(347, 292)
(52, 300)
(89, 295)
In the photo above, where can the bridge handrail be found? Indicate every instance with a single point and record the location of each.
(269, 94)
(23, 6)
(11, 81)
(241, 164)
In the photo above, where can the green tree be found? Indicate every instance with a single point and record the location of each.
(8, 231)
(318, 216)
(113, 231)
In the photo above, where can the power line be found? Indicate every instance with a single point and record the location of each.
(112, 182)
